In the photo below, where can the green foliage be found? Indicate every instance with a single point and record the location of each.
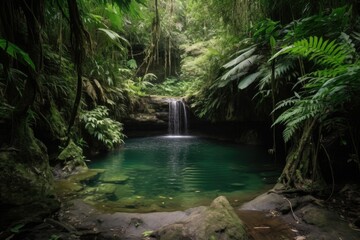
(266, 30)
(103, 128)
(138, 86)
(321, 52)
(16, 53)
(239, 67)
(115, 38)
(172, 87)
(147, 233)
(327, 89)
(17, 228)
(54, 237)
(320, 24)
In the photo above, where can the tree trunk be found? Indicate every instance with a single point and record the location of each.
(301, 160)
(78, 34)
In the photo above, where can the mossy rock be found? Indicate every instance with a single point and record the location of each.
(75, 184)
(219, 221)
(95, 199)
(25, 173)
(71, 157)
(124, 190)
(86, 176)
(70, 152)
(21, 183)
(115, 179)
(65, 187)
(106, 188)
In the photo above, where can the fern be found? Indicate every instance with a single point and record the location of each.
(324, 91)
(321, 52)
(284, 68)
(300, 111)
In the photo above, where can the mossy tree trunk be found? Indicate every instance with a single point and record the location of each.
(301, 169)
(26, 175)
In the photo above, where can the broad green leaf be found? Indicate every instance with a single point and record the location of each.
(240, 58)
(17, 53)
(115, 37)
(245, 82)
(272, 42)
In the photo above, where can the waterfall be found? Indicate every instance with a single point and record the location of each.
(178, 123)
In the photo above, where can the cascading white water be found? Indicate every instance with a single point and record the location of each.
(178, 122)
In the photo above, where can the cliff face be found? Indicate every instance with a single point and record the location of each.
(150, 116)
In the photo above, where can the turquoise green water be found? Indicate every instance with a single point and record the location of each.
(173, 173)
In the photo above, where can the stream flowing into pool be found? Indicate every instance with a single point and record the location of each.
(167, 173)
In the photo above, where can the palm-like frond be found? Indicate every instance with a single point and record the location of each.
(239, 67)
(115, 38)
(284, 68)
(325, 91)
(321, 52)
(300, 111)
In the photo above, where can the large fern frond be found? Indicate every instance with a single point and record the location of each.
(326, 90)
(322, 52)
(294, 117)
(285, 68)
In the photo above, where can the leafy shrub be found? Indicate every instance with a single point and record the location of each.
(99, 125)
(172, 87)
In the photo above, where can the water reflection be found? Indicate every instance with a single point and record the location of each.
(184, 170)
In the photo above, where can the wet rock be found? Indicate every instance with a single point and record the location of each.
(75, 184)
(86, 176)
(95, 198)
(65, 187)
(325, 224)
(309, 218)
(107, 189)
(317, 216)
(124, 190)
(219, 221)
(151, 114)
(273, 201)
(265, 202)
(115, 179)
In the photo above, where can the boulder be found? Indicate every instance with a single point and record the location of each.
(71, 157)
(115, 179)
(106, 188)
(26, 182)
(265, 202)
(25, 174)
(86, 176)
(219, 221)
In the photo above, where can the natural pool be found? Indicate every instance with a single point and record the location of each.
(168, 173)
